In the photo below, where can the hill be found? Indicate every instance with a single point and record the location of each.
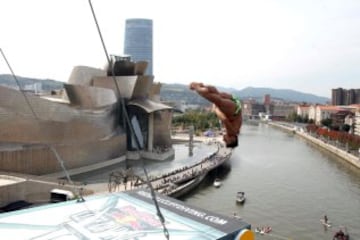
(285, 94)
(181, 92)
(178, 92)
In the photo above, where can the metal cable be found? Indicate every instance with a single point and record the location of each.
(127, 120)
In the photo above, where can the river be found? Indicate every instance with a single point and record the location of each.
(289, 184)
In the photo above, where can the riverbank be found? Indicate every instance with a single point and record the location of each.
(354, 160)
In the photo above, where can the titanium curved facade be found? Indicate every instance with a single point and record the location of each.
(84, 124)
(139, 41)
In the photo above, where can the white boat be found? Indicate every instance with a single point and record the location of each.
(240, 197)
(217, 182)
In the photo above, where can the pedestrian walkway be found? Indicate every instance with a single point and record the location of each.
(166, 182)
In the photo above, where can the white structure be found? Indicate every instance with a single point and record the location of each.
(264, 117)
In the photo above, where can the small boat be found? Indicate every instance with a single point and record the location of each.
(263, 230)
(267, 229)
(240, 197)
(217, 182)
(342, 234)
(236, 216)
(325, 223)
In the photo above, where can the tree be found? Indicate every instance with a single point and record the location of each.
(326, 122)
(306, 119)
(201, 120)
(292, 117)
(345, 128)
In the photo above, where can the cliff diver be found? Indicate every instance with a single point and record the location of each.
(227, 107)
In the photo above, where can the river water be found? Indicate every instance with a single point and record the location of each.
(289, 184)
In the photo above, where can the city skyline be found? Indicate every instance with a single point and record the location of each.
(306, 46)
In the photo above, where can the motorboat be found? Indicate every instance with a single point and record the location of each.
(342, 234)
(240, 197)
(217, 182)
(263, 230)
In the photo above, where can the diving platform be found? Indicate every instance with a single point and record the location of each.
(125, 215)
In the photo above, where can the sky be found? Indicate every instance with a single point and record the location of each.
(310, 46)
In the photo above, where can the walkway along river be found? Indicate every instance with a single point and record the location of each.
(180, 181)
(289, 183)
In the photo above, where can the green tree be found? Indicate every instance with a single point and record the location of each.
(292, 117)
(201, 120)
(345, 127)
(326, 122)
(306, 119)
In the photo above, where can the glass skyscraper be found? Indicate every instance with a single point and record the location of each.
(340, 96)
(139, 41)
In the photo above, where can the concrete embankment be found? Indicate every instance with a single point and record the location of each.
(337, 151)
